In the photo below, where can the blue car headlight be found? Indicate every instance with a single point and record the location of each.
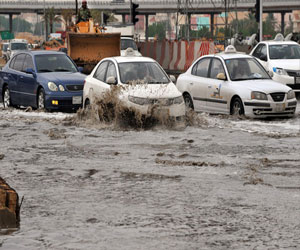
(52, 86)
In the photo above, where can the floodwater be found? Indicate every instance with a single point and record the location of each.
(219, 183)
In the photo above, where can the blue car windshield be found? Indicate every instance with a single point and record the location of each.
(54, 63)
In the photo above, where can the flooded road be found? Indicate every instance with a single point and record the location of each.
(222, 183)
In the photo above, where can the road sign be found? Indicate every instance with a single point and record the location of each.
(6, 35)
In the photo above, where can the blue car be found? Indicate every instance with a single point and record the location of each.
(41, 79)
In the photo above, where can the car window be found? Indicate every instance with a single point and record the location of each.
(284, 51)
(19, 46)
(216, 68)
(111, 71)
(257, 51)
(28, 63)
(142, 72)
(101, 71)
(12, 62)
(263, 52)
(201, 68)
(245, 69)
(54, 63)
(18, 65)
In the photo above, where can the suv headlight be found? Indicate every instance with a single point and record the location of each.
(52, 86)
(291, 95)
(258, 95)
(280, 71)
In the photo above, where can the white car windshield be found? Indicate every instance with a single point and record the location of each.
(19, 46)
(144, 72)
(284, 51)
(54, 63)
(240, 69)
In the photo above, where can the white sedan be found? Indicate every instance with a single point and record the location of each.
(143, 85)
(283, 59)
(235, 83)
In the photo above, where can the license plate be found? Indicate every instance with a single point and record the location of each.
(279, 107)
(76, 99)
(297, 80)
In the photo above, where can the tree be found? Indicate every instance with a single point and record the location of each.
(97, 16)
(158, 30)
(67, 17)
(19, 24)
(50, 18)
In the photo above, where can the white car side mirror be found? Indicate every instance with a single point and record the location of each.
(271, 74)
(173, 78)
(111, 80)
(221, 76)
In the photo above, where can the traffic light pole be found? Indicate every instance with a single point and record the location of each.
(261, 20)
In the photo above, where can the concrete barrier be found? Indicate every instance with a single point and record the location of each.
(176, 56)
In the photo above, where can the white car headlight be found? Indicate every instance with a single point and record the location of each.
(138, 100)
(280, 71)
(258, 95)
(177, 100)
(61, 88)
(291, 95)
(52, 86)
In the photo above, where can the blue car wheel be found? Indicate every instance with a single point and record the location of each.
(41, 99)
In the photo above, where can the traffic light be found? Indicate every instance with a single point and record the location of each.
(257, 11)
(105, 18)
(134, 13)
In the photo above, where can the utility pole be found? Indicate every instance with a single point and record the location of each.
(178, 7)
(46, 23)
(261, 20)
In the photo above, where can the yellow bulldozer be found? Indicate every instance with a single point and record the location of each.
(88, 43)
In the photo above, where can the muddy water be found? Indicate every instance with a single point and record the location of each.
(221, 183)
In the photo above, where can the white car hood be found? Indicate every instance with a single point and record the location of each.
(150, 90)
(292, 64)
(265, 85)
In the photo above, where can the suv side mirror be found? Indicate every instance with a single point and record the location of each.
(80, 69)
(263, 58)
(111, 80)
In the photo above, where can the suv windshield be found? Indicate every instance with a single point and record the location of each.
(284, 51)
(245, 69)
(19, 46)
(54, 63)
(4, 47)
(128, 43)
(144, 72)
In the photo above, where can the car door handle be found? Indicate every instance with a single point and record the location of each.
(191, 83)
(209, 86)
(21, 77)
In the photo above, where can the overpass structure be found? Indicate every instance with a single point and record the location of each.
(150, 7)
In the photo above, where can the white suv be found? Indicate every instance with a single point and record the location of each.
(15, 46)
(283, 59)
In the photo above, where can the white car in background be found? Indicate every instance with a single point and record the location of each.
(235, 83)
(283, 59)
(144, 85)
(128, 42)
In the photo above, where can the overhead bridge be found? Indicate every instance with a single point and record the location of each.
(149, 6)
